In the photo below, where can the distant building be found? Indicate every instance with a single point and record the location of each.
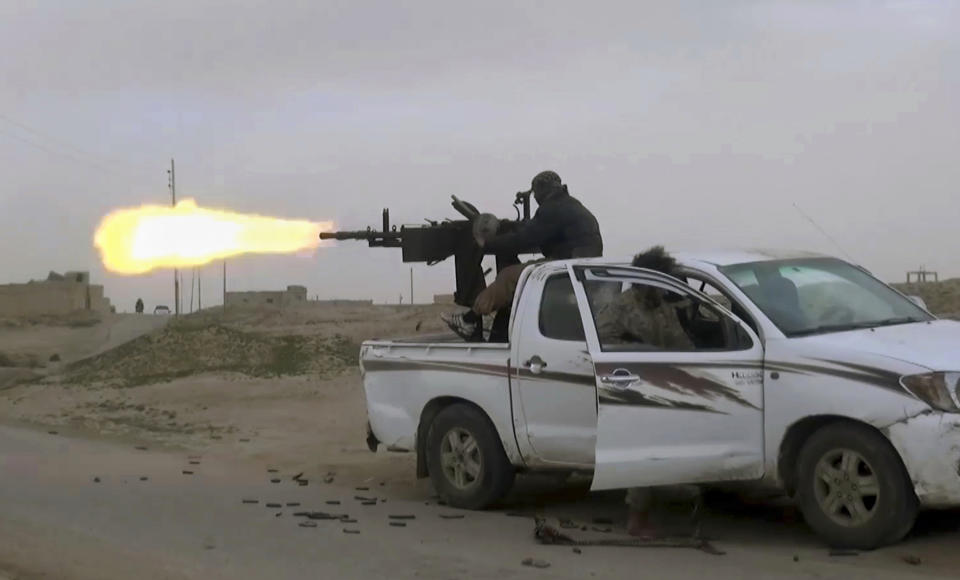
(292, 296)
(58, 294)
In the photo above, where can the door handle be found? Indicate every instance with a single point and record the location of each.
(535, 364)
(620, 378)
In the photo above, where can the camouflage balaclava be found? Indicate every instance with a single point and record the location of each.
(658, 260)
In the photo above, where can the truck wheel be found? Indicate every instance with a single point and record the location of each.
(853, 490)
(467, 464)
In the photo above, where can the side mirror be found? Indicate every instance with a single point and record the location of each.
(918, 301)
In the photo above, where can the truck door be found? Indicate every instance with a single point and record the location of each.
(553, 375)
(680, 397)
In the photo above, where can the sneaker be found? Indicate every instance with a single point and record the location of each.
(459, 325)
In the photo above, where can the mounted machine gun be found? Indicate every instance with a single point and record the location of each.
(436, 241)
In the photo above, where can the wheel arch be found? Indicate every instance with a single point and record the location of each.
(428, 414)
(797, 435)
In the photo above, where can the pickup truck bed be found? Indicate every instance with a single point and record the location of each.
(406, 382)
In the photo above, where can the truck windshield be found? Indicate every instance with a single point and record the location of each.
(820, 295)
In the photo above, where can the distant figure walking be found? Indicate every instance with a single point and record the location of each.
(139, 306)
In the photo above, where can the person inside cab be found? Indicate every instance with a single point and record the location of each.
(655, 318)
(647, 314)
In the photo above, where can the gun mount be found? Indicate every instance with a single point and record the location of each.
(436, 241)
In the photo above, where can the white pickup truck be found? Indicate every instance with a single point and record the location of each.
(808, 375)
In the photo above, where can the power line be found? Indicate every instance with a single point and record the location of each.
(68, 145)
(88, 157)
(42, 135)
(50, 151)
(71, 157)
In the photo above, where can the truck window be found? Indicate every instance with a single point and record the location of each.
(806, 296)
(722, 298)
(559, 313)
(642, 317)
(708, 289)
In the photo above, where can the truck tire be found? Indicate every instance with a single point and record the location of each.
(467, 464)
(853, 489)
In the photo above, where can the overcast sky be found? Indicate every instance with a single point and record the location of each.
(692, 124)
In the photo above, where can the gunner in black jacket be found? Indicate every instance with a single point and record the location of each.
(562, 229)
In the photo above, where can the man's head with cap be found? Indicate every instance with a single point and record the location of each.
(546, 184)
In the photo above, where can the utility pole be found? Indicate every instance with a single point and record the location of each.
(172, 182)
(199, 290)
(224, 286)
(411, 286)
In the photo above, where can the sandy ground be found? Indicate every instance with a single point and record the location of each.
(313, 422)
(283, 420)
(71, 339)
(75, 508)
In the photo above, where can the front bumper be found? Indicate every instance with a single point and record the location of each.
(930, 447)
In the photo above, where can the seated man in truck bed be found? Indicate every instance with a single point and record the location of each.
(562, 228)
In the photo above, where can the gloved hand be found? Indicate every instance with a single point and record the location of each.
(485, 226)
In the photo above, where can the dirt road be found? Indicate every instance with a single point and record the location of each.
(75, 509)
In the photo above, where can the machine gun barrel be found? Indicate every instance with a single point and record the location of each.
(375, 238)
(386, 238)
